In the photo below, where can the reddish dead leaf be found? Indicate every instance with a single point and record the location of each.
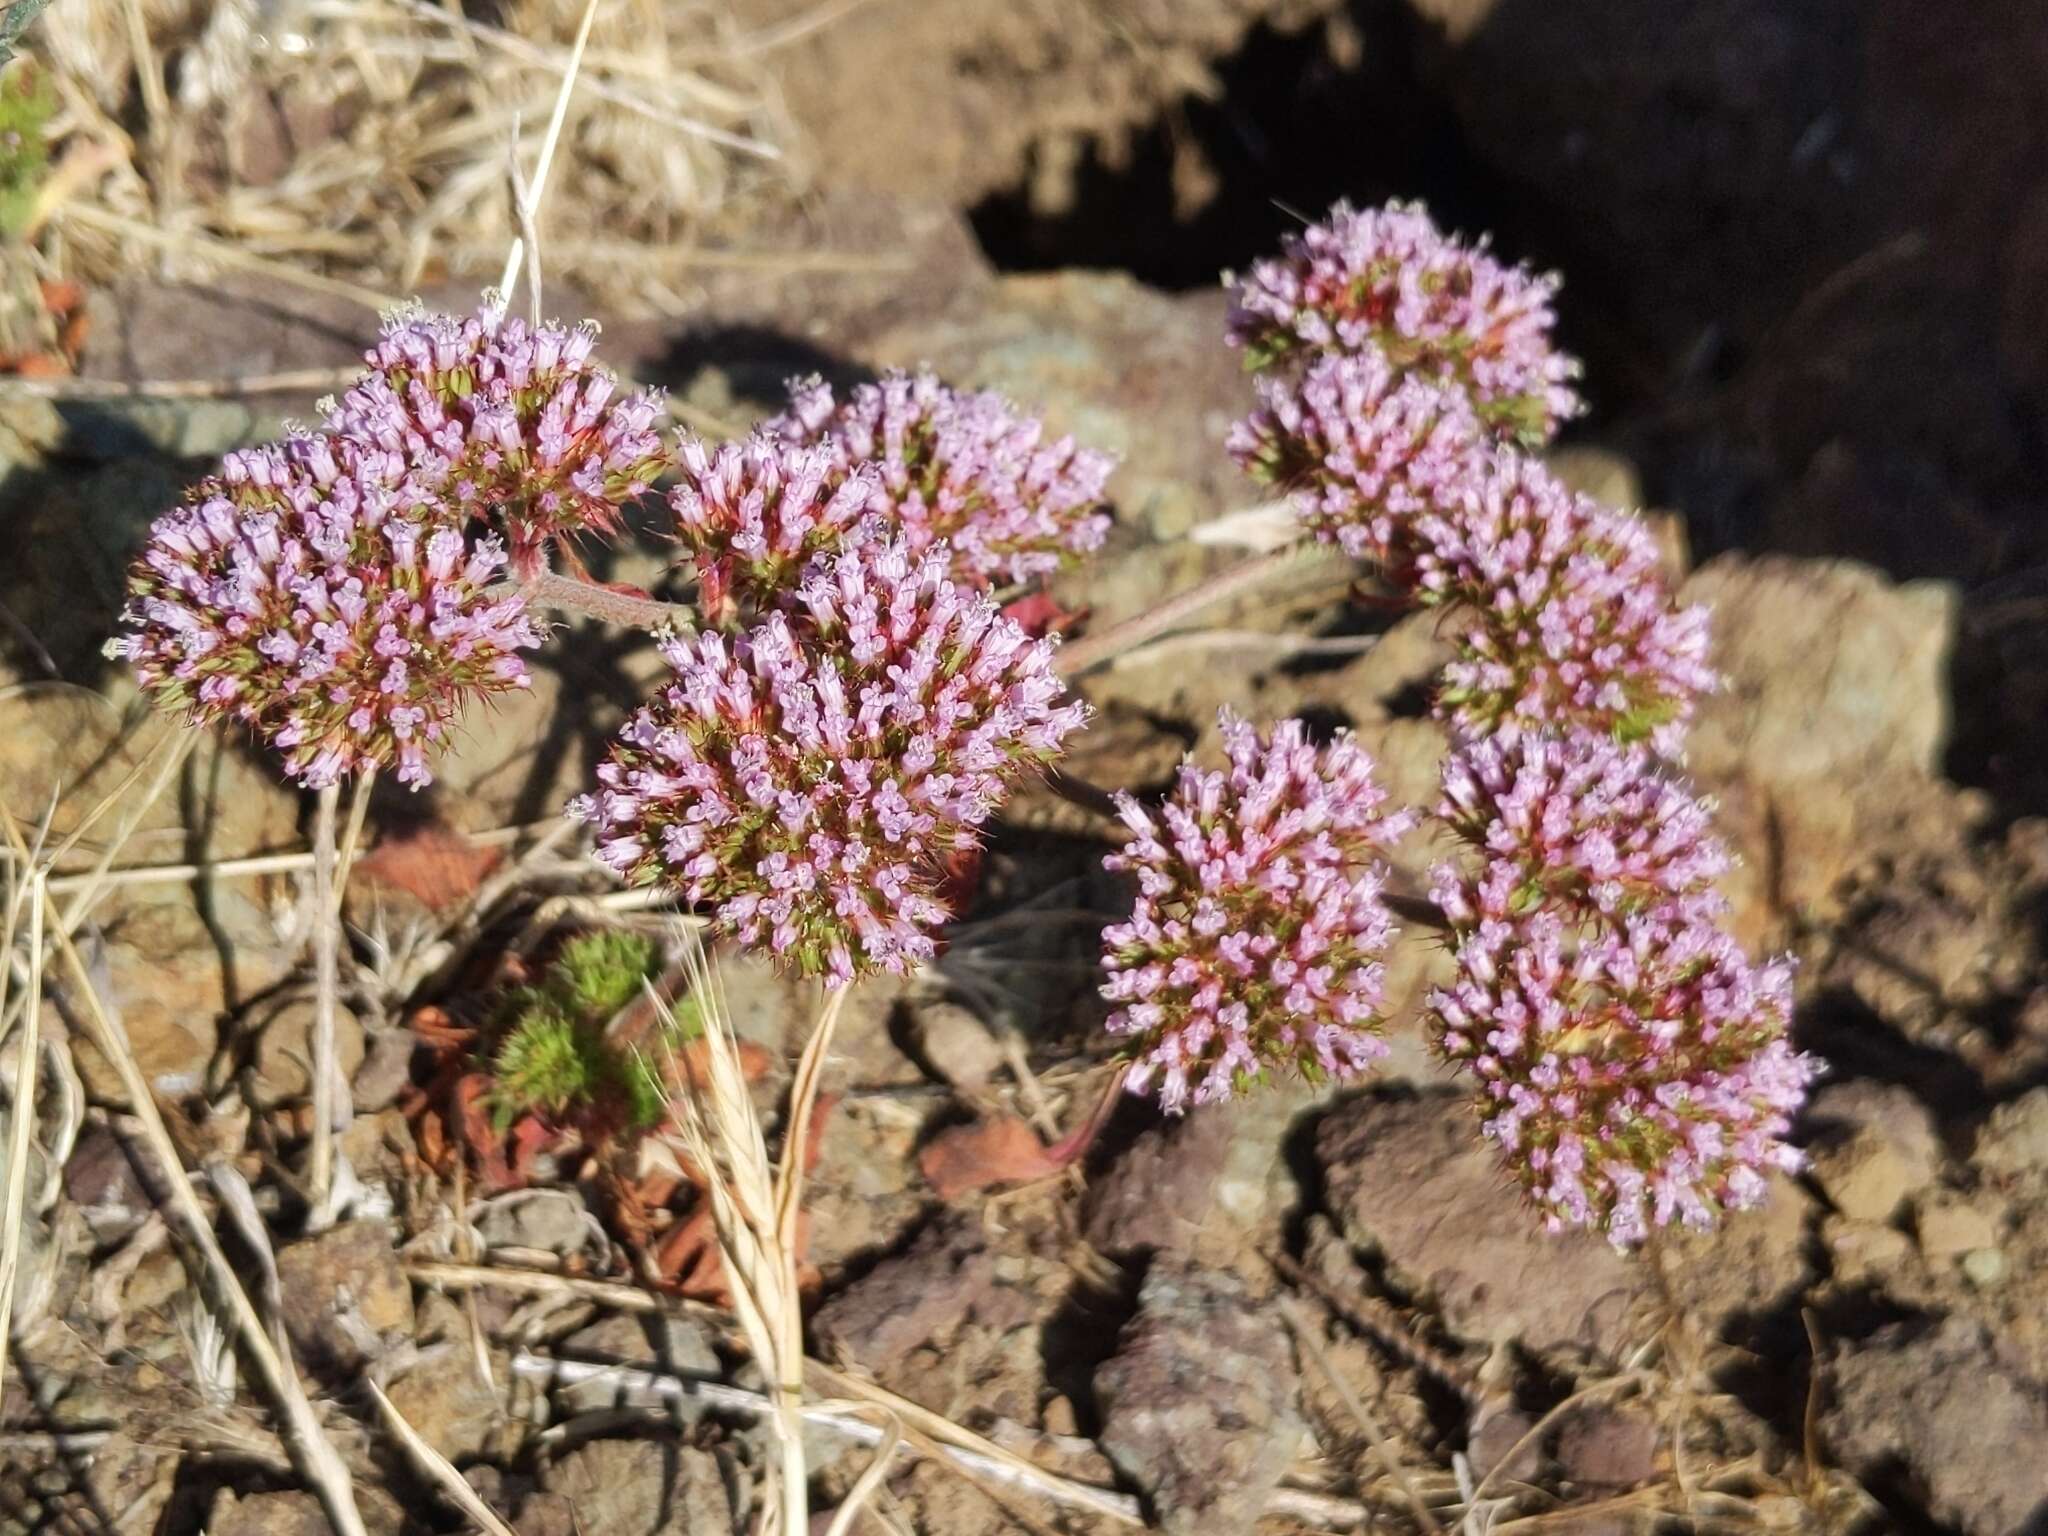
(504, 1159)
(999, 1150)
(1005, 1150)
(1038, 615)
(436, 866)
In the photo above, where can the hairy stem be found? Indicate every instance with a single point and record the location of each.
(1092, 651)
(566, 594)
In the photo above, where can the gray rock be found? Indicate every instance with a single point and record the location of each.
(1200, 1403)
(1971, 1433)
(345, 1295)
(280, 1066)
(645, 1488)
(957, 1045)
(920, 1296)
(1412, 1178)
(553, 1220)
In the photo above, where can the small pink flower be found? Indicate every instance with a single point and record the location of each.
(1388, 278)
(1362, 449)
(297, 594)
(1257, 935)
(753, 515)
(968, 469)
(1570, 621)
(808, 778)
(509, 423)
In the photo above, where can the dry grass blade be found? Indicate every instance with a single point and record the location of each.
(525, 243)
(675, 134)
(1382, 1447)
(439, 1468)
(22, 1113)
(870, 1478)
(312, 1452)
(172, 755)
(722, 1136)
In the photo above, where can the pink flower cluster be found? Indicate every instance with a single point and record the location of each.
(1258, 930)
(300, 594)
(1567, 622)
(1388, 280)
(964, 468)
(808, 777)
(1630, 1077)
(1631, 1062)
(754, 515)
(510, 423)
(1365, 448)
(1386, 445)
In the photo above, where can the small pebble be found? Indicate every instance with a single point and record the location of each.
(1986, 1267)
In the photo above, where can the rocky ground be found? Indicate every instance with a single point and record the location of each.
(1307, 1311)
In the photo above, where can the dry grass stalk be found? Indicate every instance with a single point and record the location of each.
(312, 1452)
(1382, 1446)
(722, 1136)
(439, 1468)
(363, 141)
(22, 1112)
(327, 1103)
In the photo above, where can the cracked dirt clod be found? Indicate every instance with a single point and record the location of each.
(1200, 1403)
(1412, 1178)
(1971, 1433)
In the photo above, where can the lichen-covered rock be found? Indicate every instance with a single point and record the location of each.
(1875, 1146)
(1200, 1402)
(1830, 722)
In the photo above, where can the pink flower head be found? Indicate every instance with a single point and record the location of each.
(1362, 448)
(506, 422)
(1571, 622)
(1575, 820)
(292, 594)
(753, 515)
(1389, 278)
(1256, 938)
(808, 778)
(1631, 1075)
(966, 468)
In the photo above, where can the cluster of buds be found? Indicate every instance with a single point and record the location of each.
(965, 469)
(1257, 936)
(302, 594)
(807, 778)
(754, 516)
